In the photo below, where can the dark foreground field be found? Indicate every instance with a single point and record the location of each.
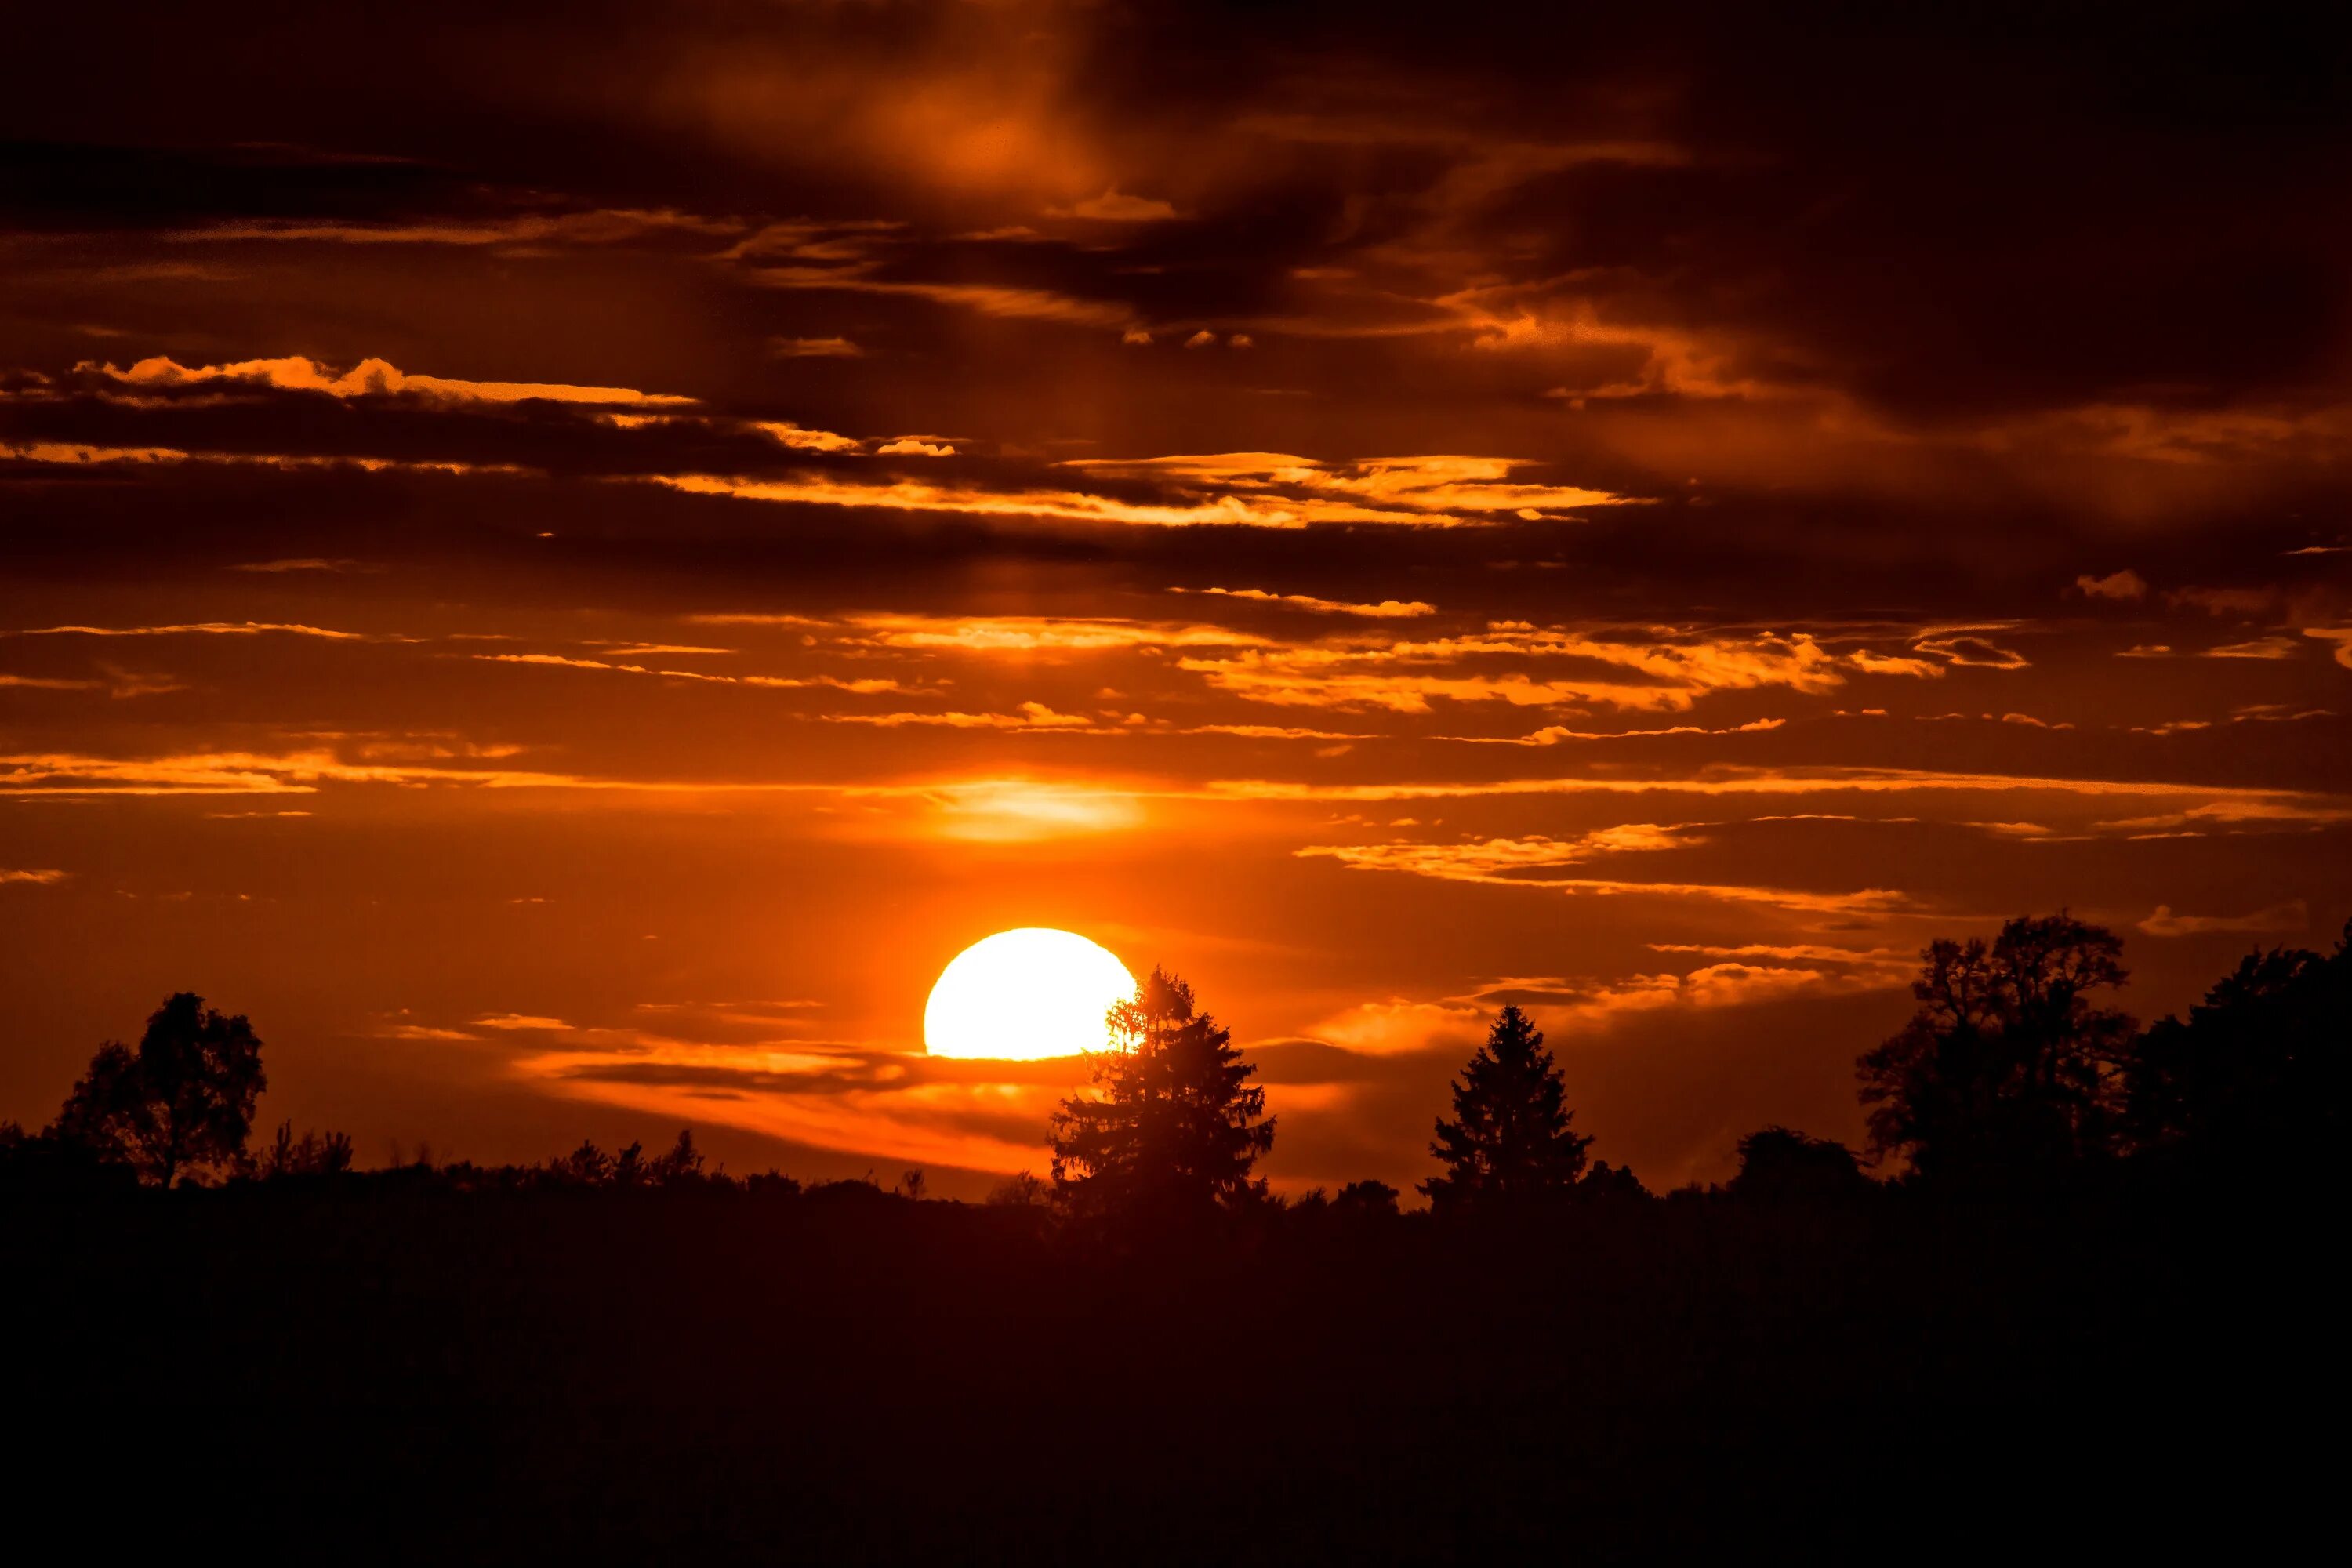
(360, 1371)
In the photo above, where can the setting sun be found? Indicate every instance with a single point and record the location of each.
(1024, 995)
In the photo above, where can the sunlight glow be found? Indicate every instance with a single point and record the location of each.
(1023, 994)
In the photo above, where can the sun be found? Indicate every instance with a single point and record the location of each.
(1023, 994)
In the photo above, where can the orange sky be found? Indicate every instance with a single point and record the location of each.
(567, 572)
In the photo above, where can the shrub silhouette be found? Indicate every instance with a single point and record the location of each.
(1175, 1128)
(313, 1154)
(1020, 1191)
(179, 1105)
(1509, 1142)
(47, 1164)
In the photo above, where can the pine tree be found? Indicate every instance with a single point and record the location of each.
(1174, 1127)
(1509, 1142)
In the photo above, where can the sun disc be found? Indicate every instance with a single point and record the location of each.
(1024, 995)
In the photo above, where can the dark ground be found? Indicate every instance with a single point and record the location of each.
(355, 1371)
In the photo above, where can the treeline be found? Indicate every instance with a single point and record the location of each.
(2016, 1074)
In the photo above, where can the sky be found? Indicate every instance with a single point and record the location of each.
(564, 559)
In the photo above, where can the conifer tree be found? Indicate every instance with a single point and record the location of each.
(1174, 1127)
(1509, 1141)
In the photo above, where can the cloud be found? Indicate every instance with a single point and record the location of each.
(915, 446)
(1439, 486)
(904, 1108)
(250, 772)
(1021, 810)
(46, 683)
(1032, 717)
(36, 878)
(207, 628)
(1386, 609)
(1275, 732)
(863, 685)
(1553, 734)
(1404, 676)
(369, 378)
(1070, 506)
(115, 682)
(1396, 1028)
(2225, 601)
(2221, 802)
(2340, 636)
(2268, 648)
(1974, 652)
(2124, 584)
(1741, 975)
(1502, 862)
(304, 564)
(1115, 206)
(1036, 633)
(2293, 916)
(1010, 301)
(814, 348)
(785, 433)
(604, 227)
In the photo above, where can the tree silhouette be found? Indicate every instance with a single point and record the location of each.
(2009, 1070)
(2258, 1074)
(1374, 1199)
(1604, 1183)
(181, 1104)
(1509, 1142)
(681, 1167)
(1780, 1165)
(1174, 1128)
(586, 1166)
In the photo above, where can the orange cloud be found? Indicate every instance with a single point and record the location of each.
(2293, 915)
(1115, 206)
(2124, 584)
(1553, 734)
(987, 299)
(1386, 609)
(1364, 673)
(1032, 717)
(1435, 486)
(2340, 636)
(863, 685)
(814, 348)
(1039, 634)
(369, 378)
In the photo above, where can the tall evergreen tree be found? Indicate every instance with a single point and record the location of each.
(1174, 1127)
(1509, 1141)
